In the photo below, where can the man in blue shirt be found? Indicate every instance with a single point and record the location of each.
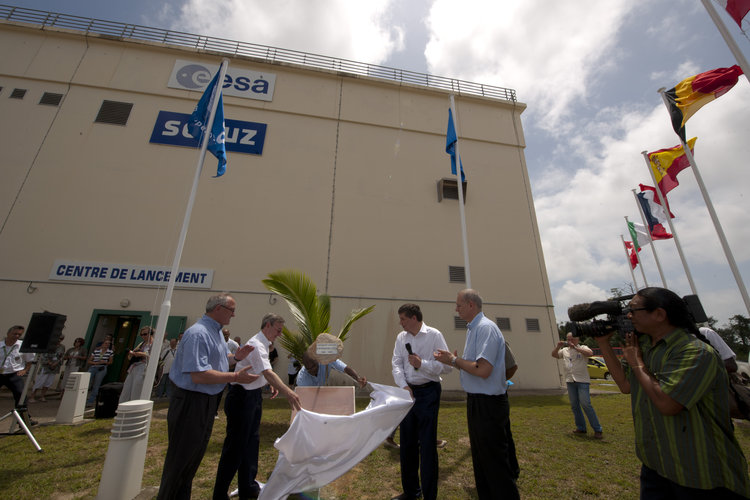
(200, 372)
(313, 374)
(482, 370)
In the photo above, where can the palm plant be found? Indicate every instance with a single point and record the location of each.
(312, 312)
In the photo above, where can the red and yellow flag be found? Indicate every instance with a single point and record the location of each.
(693, 93)
(667, 163)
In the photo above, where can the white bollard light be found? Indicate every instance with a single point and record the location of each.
(122, 473)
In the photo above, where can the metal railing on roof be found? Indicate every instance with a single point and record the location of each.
(263, 52)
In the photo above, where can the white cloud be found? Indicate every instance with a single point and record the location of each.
(361, 31)
(551, 50)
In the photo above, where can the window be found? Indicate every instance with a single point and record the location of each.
(447, 189)
(459, 324)
(115, 113)
(456, 274)
(532, 325)
(18, 93)
(51, 99)
(503, 324)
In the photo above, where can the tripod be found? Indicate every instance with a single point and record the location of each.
(20, 412)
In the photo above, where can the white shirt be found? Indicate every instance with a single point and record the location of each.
(576, 365)
(718, 343)
(423, 344)
(257, 359)
(11, 358)
(232, 346)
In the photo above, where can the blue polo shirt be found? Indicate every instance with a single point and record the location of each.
(202, 348)
(484, 340)
(304, 379)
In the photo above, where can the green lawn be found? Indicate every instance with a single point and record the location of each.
(554, 463)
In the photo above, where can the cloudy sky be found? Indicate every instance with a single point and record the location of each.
(588, 71)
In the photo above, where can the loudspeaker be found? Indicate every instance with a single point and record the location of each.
(696, 308)
(43, 333)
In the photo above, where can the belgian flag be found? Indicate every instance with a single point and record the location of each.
(693, 93)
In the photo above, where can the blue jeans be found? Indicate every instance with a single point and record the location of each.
(97, 375)
(578, 392)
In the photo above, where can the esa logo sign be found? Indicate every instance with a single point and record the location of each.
(191, 75)
(240, 137)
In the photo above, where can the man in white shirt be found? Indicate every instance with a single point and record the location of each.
(243, 407)
(416, 370)
(575, 359)
(725, 352)
(14, 364)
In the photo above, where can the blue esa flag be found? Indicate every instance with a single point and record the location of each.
(199, 119)
(450, 146)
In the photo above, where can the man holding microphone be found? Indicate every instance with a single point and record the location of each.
(416, 370)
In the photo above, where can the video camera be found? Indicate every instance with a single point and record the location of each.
(613, 308)
(617, 320)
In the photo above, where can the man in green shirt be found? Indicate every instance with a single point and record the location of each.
(679, 397)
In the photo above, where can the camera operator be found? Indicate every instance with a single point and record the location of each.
(575, 358)
(679, 389)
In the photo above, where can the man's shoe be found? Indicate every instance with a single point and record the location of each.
(390, 443)
(598, 435)
(579, 432)
(404, 496)
(441, 443)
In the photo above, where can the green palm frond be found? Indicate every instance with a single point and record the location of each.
(312, 312)
(353, 316)
(301, 295)
(295, 343)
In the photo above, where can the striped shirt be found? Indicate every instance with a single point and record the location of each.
(99, 356)
(695, 448)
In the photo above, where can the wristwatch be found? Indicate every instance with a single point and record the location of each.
(453, 361)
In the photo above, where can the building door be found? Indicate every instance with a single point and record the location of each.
(124, 331)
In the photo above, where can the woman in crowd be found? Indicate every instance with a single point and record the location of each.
(138, 358)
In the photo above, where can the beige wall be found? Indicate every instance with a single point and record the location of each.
(349, 158)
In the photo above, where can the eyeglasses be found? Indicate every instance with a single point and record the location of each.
(227, 308)
(629, 310)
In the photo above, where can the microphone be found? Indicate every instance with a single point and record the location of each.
(408, 349)
(582, 312)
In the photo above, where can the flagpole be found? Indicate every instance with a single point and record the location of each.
(637, 255)
(166, 305)
(630, 264)
(653, 242)
(738, 55)
(460, 184)
(714, 217)
(672, 229)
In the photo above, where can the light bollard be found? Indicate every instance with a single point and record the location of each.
(122, 473)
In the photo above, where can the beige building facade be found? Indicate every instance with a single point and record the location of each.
(336, 174)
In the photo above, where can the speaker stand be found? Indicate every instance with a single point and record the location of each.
(20, 413)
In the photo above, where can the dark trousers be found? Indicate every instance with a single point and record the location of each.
(418, 443)
(488, 417)
(190, 421)
(656, 487)
(239, 455)
(13, 382)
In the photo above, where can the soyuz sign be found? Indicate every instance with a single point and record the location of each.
(125, 274)
(191, 75)
(240, 137)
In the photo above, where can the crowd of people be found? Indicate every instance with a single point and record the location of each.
(676, 375)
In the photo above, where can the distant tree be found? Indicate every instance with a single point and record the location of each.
(737, 335)
(623, 290)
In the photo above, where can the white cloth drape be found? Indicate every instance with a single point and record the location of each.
(319, 448)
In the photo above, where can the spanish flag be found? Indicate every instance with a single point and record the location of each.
(667, 163)
(691, 94)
